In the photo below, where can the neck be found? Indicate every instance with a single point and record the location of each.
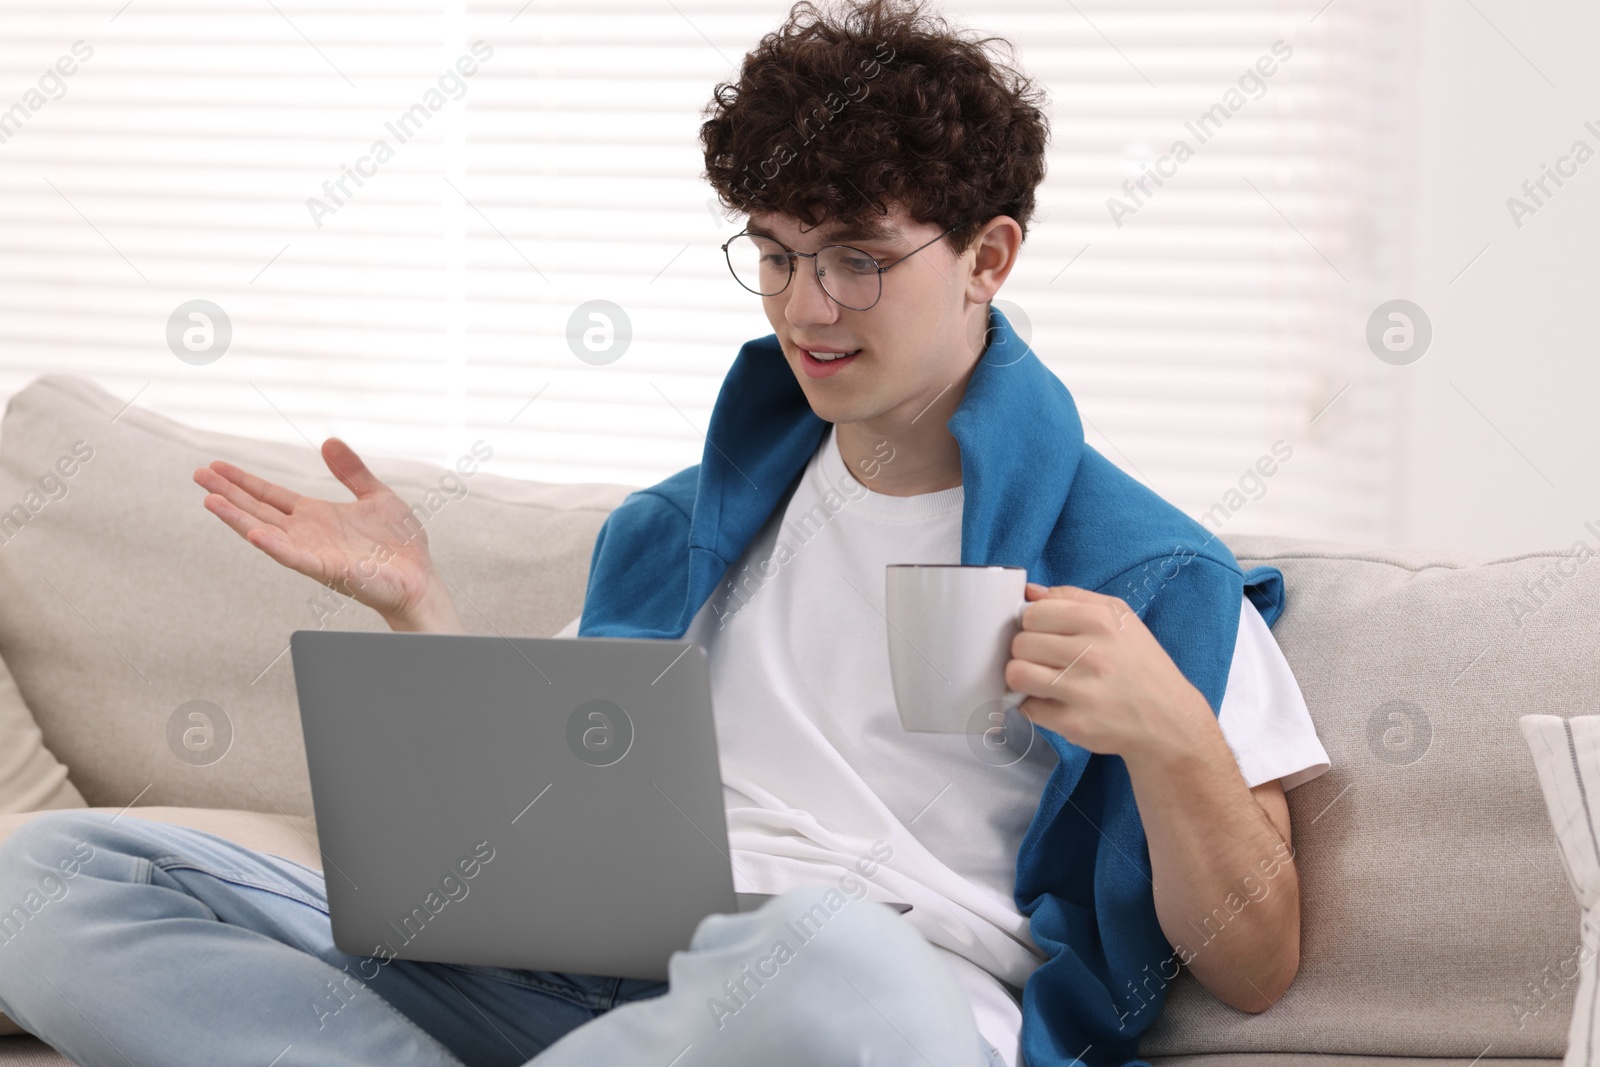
(908, 451)
(906, 454)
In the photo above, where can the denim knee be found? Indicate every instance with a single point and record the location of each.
(822, 970)
(58, 842)
(38, 864)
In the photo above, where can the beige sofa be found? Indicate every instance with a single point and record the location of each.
(1438, 925)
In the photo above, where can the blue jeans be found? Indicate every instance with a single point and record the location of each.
(125, 941)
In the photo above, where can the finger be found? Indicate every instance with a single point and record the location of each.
(1046, 681)
(1051, 650)
(1118, 607)
(278, 548)
(1066, 615)
(269, 538)
(269, 493)
(235, 495)
(1065, 592)
(238, 521)
(349, 469)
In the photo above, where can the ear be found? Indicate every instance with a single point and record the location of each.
(994, 250)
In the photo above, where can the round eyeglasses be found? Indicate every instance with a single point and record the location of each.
(851, 278)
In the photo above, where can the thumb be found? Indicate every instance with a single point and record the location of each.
(1058, 592)
(348, 468)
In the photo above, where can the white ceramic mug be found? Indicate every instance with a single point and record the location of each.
(950, 633)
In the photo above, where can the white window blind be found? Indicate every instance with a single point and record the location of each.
(422, 302)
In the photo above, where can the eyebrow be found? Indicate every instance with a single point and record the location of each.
(859, 231)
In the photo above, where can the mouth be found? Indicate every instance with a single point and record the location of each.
(821, 362)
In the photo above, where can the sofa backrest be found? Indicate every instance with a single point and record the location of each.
(1437, 920)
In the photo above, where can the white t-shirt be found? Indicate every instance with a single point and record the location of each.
(821, 782)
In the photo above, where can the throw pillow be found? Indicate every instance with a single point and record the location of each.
(1566, 754)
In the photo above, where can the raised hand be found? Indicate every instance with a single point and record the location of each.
(370, 548)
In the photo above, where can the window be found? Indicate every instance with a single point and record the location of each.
(417, 296)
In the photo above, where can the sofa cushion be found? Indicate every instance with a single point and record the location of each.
(29, 1052)
(1566, 753)
(1435, 912)
(31, 778)
(151, 641)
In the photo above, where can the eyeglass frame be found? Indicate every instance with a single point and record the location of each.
(793, 255)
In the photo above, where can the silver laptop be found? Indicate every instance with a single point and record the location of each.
(532, 803)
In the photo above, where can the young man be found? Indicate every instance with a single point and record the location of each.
(887, 167)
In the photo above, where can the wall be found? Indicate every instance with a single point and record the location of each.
(1499, 428)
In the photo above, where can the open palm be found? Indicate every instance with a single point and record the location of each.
(370, 548)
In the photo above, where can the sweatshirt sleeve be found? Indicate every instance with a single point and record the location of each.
(626, 596)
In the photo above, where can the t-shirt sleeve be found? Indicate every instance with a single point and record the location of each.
(1264, 715)
(570, 629)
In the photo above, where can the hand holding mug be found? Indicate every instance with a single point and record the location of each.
(1096, 675)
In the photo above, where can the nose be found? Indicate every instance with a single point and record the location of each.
(808, 305)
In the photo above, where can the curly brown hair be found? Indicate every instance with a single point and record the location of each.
(836, 114)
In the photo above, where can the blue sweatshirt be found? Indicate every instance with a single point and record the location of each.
(1035, 495)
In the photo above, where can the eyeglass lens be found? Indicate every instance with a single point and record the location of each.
(762, 266)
